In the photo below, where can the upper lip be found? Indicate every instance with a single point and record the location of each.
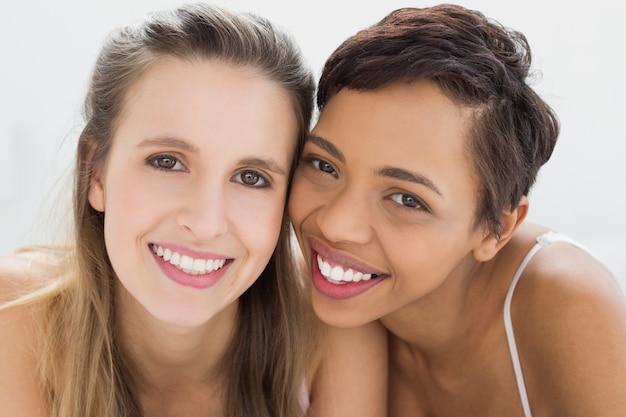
(340, 258)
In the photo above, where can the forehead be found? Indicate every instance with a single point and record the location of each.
(208, 99)
(414, 114)
(182, 81)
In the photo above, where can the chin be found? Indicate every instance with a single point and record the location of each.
(341, 316)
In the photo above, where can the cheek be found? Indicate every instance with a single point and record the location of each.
(127, 199)
(131, 209)
(299, 201)
(272, 220)
(424, 258)
(258, 225)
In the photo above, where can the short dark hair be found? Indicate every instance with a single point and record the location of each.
(477, 63)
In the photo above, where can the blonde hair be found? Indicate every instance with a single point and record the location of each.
(83, 368)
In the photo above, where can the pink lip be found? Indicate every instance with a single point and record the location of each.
(342, 291)
(195, 281)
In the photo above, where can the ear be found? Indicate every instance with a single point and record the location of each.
(96, 186)
(511, 220)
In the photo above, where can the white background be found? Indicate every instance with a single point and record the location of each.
(47, 50)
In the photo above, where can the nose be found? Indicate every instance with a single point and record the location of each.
(346, 217)
(203, 212)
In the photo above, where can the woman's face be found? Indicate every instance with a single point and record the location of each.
(383, 201)
(193, 189)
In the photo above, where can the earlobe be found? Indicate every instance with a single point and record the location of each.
(96, 187)
(96, 192)
(511, 220)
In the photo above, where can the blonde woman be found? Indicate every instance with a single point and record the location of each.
(178, 296)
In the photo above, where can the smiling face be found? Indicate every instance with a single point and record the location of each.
(194, 186)
(384, 200)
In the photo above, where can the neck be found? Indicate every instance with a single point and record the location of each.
(163, 355)
(446, 325)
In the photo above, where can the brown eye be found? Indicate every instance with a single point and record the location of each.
(406, 200)
(251, 179)
(167, 163)
(324, 166)
(409, 202)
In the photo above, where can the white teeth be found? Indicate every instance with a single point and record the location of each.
(348, 275)
(174, 259)
(188, 264)
(337, 274)
(199, 265)
(325, 268)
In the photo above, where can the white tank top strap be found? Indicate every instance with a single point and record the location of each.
(552, 237)
(542, 240)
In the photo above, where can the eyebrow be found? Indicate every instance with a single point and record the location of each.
(327, 146)
(404, 175)
(169, 141)
(267, 164)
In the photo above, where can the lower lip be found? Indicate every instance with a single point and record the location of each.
(339, 291)
(188, 280)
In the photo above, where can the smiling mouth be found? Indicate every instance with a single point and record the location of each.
(186, 263)
(340, 275)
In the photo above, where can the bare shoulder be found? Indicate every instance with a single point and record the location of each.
(20, 391)
(569, 316)
(30, 269)
(349, 375)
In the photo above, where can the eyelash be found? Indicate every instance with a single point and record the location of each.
(421, 206)
(314, 162)
(153, 161)
(239, 179)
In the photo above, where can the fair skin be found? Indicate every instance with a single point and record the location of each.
(198, 169)
(20, 394)
(386, 188)
(198, 166)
